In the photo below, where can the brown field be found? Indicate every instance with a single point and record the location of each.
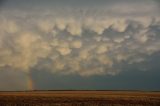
(80, 98)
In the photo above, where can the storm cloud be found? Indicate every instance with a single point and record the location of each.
(80, 40)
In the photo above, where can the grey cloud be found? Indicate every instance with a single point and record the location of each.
(67, 54)
(88, 45)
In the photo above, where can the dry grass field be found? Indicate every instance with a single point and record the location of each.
(80, 98)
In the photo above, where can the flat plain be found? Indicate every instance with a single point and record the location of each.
(80, 98)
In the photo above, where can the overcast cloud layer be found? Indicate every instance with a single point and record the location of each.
(78, 37)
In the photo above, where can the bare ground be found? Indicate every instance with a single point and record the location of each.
(80, 98)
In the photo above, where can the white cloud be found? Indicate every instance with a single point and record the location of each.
(87, 45)
(24, 55)
(60, 24)
(9, 26)
(46, 25)
(102, 49)
(58, 65)
(88, 72)
(74, 28)
(84, 54)
(76, 44)
(142, 36)
(119, 40)
(119, 25)
(64, 50)
(121, 57)
(104, 59)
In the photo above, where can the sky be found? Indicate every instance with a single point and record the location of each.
(79, 45)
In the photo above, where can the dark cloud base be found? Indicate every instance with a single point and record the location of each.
(129, 79)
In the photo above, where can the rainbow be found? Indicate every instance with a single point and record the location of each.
(30, 83)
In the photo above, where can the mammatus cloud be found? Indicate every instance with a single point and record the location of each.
(24, 49)
(79, 42)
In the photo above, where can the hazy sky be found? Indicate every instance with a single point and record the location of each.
(79, 44)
